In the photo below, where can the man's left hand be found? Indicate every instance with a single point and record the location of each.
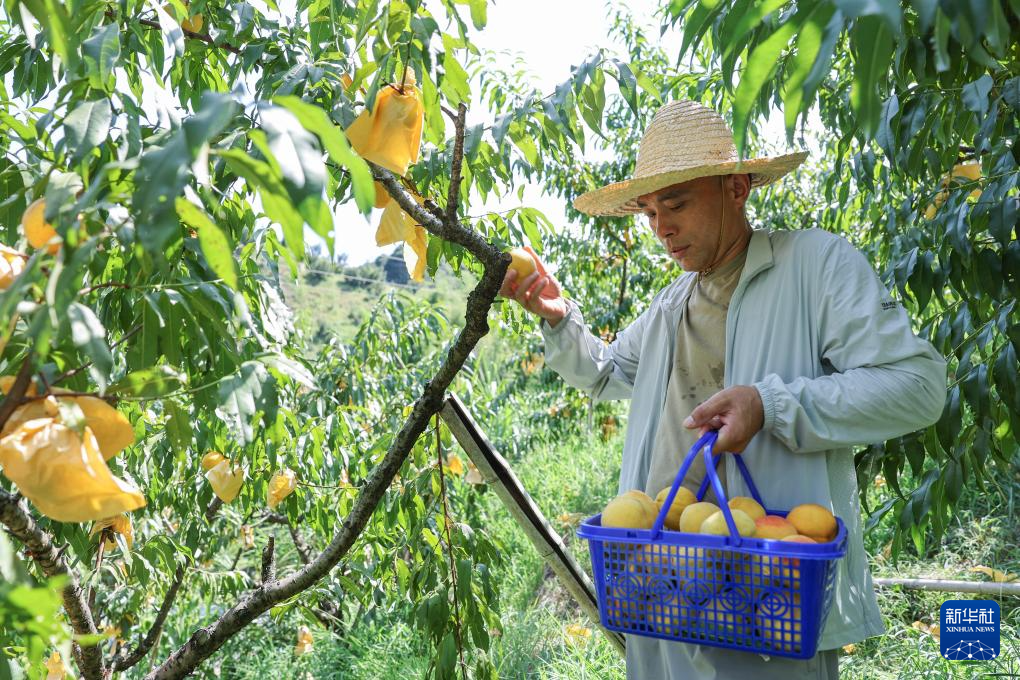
(737, 412)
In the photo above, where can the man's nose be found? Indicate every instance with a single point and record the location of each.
(665, 225)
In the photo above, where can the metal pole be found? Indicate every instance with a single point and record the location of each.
(946, 586)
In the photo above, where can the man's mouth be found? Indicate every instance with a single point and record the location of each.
(679, 251)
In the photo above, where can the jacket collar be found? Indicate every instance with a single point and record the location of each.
(759, 258)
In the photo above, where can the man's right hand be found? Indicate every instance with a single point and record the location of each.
(539, 292)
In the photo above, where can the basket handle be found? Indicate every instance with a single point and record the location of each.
(706, 443)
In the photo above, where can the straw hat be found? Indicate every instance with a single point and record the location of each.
(684, 141)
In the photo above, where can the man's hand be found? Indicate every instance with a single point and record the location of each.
(539, 292)
(738, 414)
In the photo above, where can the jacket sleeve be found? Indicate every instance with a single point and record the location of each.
(584, 361)
(885, 381)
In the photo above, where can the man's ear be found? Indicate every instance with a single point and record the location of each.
(740, 188)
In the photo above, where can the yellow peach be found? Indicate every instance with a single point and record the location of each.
(773, 527)
(715, 524)
(683, 498)
(694, 514)
(813, 520)
(628, 512)
(749, 505)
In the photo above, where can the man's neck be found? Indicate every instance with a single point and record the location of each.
(738, 246)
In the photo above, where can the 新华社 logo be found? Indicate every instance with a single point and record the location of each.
(969, 630)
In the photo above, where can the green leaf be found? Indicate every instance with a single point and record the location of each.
(760, 67)
(886, 134)
(298, 156)
(290, 368)
(160, 178)
(215, 113)
(797, 99)
(216, 246)
(1006, 369)
(12, 186)
(101, 52)
(888, 10)
(628, 84)
(1011, 93)
(56, 21)
(178, 427)
(275, 201)
(696, 23)
(951, 421)
(251, 390)
(87, 126)
(315, 120)
(975, 94)
(455, 78)
(149, 383)
(871, 42)
(478, 13)
(61, 194)
(89, 336)
(747, 21)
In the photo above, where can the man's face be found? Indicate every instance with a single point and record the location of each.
(686, 217)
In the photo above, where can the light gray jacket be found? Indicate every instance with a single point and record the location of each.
(834, 358)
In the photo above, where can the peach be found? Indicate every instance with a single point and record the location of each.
(694, 514)
(628, 512)
(748, 505)
(773, 527)
(683, 498)
(715, 524)
(813, 520)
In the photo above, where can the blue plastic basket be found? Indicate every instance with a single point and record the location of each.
(748, 594)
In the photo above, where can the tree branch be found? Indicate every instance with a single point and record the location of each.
(125, 662)
(39, 543)
(205, 641)
(17, 392)
(269, 561)
(453, 199)
(204, 37)
(213, 508)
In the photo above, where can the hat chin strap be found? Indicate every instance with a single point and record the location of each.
(718, 241)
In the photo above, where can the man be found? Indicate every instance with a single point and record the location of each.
(786, 342)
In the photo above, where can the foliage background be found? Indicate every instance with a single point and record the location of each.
(194, 206)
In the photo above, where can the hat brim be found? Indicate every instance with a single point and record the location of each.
(619, 199)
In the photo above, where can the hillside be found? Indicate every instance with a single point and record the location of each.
(333, 299)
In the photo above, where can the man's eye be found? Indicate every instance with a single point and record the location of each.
(678, 206)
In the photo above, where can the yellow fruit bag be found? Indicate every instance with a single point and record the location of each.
(390, 134)
(63, 474)
(120, 524)
(281, 485)
(111, 428)
(12, 263)
(225, 480)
